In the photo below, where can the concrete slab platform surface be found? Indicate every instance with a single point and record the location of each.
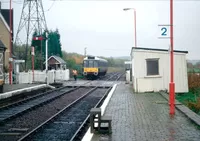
(145, 117)
(17, 89)
(12, 87)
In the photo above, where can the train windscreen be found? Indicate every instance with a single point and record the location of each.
(90, 64)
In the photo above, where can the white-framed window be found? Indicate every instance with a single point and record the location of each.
(152, 66)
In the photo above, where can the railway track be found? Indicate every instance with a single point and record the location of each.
(17, 127)
(67, 122)
(15, 109)
(19, 113)
(21, 119)
(115, 76)
(23, 96)
(80, 132)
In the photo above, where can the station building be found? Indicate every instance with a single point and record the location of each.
(151, 70)
(5, 31)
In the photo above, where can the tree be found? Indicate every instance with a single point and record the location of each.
(189, 65)
(21, 49)
(54, 46)
(197, 65)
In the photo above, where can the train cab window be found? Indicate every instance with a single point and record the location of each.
(85, 63)
(91, 63)
(95, 64)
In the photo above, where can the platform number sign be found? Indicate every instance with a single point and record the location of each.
(163, 31)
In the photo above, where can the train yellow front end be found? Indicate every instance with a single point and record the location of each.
(90, 71)
(94, 67)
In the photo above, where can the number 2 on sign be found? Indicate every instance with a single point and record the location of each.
(164, 32)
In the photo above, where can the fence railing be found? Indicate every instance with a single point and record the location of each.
(39, 76)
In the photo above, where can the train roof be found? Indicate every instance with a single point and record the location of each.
(94, 58)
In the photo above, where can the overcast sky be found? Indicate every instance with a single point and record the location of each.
(106, 30)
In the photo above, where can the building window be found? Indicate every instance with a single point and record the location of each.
(152, 67)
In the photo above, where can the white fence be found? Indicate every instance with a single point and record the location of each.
(128, 76)
(40, 76)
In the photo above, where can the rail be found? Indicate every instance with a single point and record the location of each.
(55, 115)
(75, 136)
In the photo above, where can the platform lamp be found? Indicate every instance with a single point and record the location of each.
(126, 9)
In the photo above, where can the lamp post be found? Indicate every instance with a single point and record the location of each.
(126, 9)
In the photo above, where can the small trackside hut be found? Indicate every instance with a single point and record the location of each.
(151, 70)
(55, 62)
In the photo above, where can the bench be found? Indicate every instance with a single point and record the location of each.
(95, 117)
(103, 122)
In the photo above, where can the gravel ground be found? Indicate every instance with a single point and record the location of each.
(122, 78)
(32, 119)
(66, 124)
(24, 106)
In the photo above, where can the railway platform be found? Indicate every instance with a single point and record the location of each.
(13, 87)
(144, 117)
(16, 89)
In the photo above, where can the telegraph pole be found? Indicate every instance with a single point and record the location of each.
(10, 54)
(32, 19)
(85, 51)
(164, 35)
(46, 57)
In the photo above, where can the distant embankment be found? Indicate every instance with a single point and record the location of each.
(115, 69)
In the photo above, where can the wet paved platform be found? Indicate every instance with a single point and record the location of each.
(145, 117)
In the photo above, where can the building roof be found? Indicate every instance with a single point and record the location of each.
(60, 60)
(94, 58)
(155, 49)
(6, 14)
(2, 45)
(4, 21)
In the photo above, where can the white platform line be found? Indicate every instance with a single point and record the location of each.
(88, 136)
(15, 92)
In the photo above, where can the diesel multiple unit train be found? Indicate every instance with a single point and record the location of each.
(94, 67)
